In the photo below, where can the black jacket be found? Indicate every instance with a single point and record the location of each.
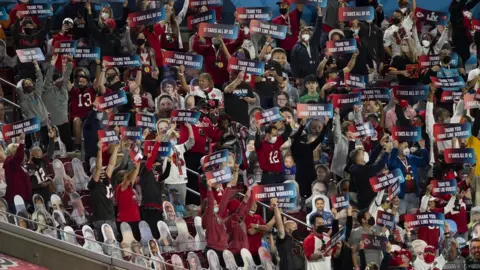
(302, 153)
(151, 188)
(76, 10)
(302, 64)
(91, 126)
(373, 37)
(109, 42)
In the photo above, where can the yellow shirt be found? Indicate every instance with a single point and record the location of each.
(474, 142)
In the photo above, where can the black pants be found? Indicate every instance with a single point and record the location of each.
(272, 178)
(66, 135)
(192, 161)
(219, 255)
(152, 216)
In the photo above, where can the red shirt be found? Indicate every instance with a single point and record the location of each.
(81, 102)
(459, 218)
(212, 56)
(215, 230)
(309, 245)
(202, 131)
(294, 19)
(18, 181)
(269, 156)
(429, 235)
(20, 7)
(127, 205)
(238, 229)
(254, 241)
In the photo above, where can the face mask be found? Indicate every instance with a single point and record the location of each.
(100, 116)
(295, 234)
(157, 168)
(273, 140)
(110, 78)
(38, 206)
(371, 221)
(355, 31)
(403, 10)
(413, 149)
(366, 157)
(426, 43)
(82, 86)
(38, 161)
(321, 229)
(28, 89)
(283, 11)
(406, 151)
(246, 30)
(446, 59)
(305, 37)
(369, 21)
(241, 55)
(215, 209)
(267, 57)
(428, 258)
(173, 142)
(396, 21)
(215, 42)
(28, 31)
(251, 212)
(140, 42)
(105, 15)
(446, 120)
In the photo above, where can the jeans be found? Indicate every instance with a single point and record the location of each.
(409, 202)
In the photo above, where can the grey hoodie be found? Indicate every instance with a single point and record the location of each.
(56, 100)
(31, 104)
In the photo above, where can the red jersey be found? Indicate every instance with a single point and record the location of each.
(254, 241)
(270, 156)
(202, 131)
(292, 22)
(127, 205)
(82, 101)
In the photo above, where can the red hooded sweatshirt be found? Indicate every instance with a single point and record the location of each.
(216, 232)
(18, 181)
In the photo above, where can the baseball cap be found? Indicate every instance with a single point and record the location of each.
(283, 1)
(67, 20)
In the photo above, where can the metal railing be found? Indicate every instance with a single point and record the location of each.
(11, 103)
(75, 248)
(260, 203)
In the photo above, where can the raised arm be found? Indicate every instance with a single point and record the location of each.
(98, 163)
(351, 63)
(112, 162)
(181, 15)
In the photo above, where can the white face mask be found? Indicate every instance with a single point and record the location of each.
(366, 157)
(246, 30)
(100, 115)
(446, 120)
(251, 212)
(273, 140)
(215, 209)
(406, 151)
(403, 10)
(413, 149)
(173, 142)
(305, 37)
(426, 43)
(105, 15)
(267, 56)
(355, 31)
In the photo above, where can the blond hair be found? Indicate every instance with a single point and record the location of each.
(11, 149)
(412, 52)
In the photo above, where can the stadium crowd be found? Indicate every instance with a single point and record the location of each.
(158, 134)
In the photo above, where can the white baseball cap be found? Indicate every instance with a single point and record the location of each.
(67, 20)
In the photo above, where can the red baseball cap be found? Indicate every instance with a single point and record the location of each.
(283, 1)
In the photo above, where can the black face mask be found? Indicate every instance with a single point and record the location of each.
(296, 235)
(28, 89)
(157, 168)
(28, 31)
(321, 229)
(396, 20)
(106, 30)
(38, 161)
(110, 78)
(371, 221)
(81, 86)
(140, 42)
(283, 11)
(446, 59)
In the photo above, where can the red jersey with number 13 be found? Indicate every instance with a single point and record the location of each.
(82, 101)
(269, 155)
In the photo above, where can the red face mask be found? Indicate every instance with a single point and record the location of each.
(428, 258)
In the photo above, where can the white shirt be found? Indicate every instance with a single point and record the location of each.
(472, 75)
(214, 94)
(177, 175)
(393, 37)
(322, 264)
